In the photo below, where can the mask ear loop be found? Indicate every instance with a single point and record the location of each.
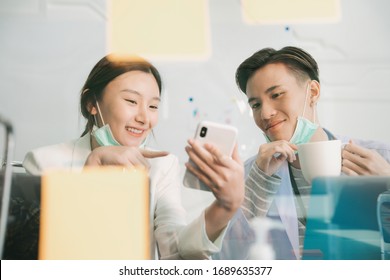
(94, 116)
(304, 106)
(314, 117)
(100, 113)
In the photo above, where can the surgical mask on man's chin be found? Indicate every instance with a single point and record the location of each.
(104, 136)
(304, 131)
(267, 138)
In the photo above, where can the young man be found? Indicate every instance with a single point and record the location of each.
(283, 89)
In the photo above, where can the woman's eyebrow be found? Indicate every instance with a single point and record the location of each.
(130, 91)
(137, 93)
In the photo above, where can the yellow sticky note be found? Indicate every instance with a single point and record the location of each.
(99, 214)
(287, 11)
(169, 29)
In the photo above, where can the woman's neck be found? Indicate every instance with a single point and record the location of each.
(94, 143)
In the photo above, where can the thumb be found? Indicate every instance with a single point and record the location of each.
(153, 154)
(218, 156)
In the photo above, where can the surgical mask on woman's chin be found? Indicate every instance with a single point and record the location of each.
(103, 136)
(304, 129)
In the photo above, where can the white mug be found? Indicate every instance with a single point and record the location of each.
(321, 158)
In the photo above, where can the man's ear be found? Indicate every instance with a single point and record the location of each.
(315, 92)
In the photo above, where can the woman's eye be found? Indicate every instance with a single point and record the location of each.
(154, 107)
(131, 101)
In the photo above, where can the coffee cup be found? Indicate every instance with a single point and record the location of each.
(322, 158)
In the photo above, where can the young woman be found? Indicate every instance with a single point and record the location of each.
(120, 101)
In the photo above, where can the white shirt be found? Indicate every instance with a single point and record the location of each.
(174, 238)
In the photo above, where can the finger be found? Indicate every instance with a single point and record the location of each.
(285, 148)
(135, 157)
(201, 158)
(293, 146)
(354, 158)
(139, 160)
(348, 171)
(200, 151)
(291, 155)
(198, 155)
(281, 156)
(153, 154)
(356, 149)
(353, 167)
(194, 170)
(218, 156)
(286, 151)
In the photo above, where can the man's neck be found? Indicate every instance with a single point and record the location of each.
(319, 135)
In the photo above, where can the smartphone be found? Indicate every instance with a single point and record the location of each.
(223, 136)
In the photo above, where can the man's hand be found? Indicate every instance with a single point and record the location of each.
(357, 160)
(272, 155)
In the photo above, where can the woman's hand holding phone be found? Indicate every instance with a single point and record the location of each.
(214, 165)
(222, 136)
(224, 175)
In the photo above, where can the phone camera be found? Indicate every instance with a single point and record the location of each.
(203, 131)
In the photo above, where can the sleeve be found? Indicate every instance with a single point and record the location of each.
(175, 239)
(169, 215)
(59, 156)
(194, 243)
(260, 190)
(238, 239)
(31, 164)
(382, 148)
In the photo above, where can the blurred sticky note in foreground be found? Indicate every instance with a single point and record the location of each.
(99, 214)
(288, 11)
(161, 29)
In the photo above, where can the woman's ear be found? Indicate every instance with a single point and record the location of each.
(92, 108)
(315, 92)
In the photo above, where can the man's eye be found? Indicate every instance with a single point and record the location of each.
(275, 95)
(255, 106)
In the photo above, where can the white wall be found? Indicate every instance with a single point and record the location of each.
(47, 48)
